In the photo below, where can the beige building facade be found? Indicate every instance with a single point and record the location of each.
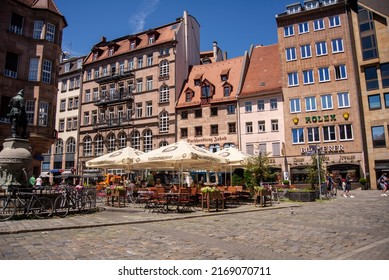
(30, 50)
(320, 86)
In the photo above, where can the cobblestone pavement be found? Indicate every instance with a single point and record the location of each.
(342, 228)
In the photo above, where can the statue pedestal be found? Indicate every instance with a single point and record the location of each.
(15, 163)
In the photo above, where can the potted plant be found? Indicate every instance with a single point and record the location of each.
(301, 195)
(363, 182)
(285, 182)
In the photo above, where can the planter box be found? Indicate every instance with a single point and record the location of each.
(302, 196)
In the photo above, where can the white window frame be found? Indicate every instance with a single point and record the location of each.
(324, 74)
(337, 45)
(290, 54)
(334, 21)
(329, 133)
(149, 108)
(310, 104)
(46, 71)
(261, 126)
(299, 132)
(164, 122)
(308, 77)
(295, 105)
(343, 130)
(321, 48)
(261, 105)
(326, 102)
(318, 24)
(313, 135)
(288, 31)
(273, 104)
(30, 111)
(293, 79)
(303, 27)
(306, 51)
(164, 94)
(33, 69)
(43, 113)
(340, 72)
(274, 125)
(343, 100)
(249, 127)
(248, 107)
(50, 32)
(38, 28)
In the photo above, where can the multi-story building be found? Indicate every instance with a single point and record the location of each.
(206, 109)
(371, 33)
(320, 86)
(63, 154)
(130, 87)
(260, 106)
(30, 49)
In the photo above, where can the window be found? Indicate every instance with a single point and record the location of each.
(11, 65)
(111, 52)
(149, 109)
(69, 124)
(306, 51)
(321, 48)
(261, 105)
(214, 111)
(313, 134)
(385, 75)
(184, 132)
(288, 31)
(310, 103)
(38, 26)
(75, 102)
(198, 131)
(151, 39)
(122, 140)
(139, 110)
(214, 129)
(249, 127)
(139, 85)
(16, 25)
(62, 106)
(43, 113)
(273, 104)
(59, 147)
(33, 69)
(131, 64)
(135, 140)
(337, 45)
(345, 132)
(324, 74)
(46, 74)
(290, 54)
(226, 91)
(276, 149)
(87, 96)
(374, 102)
(231, 127)
(97, 73)
(164, 122)
(214, 148)
(75, 123)
(369, 47)
(99, 145)
(86, 118)
(248, 107)
(198, 113)
(30, 111)
(70, 103)
(326, 102)
(293, 79)
(308, 77)
(378, 135)
(371, 78)
(250, 149)
(164, 94)
(340, 72)
(206, 91)
(50, 32)
(87, 146)
(297, 135)
(334, 21)
(231, 109)
(149, 60)
(343, 100)
(140, 62)
(164, 68)
(303, 27)
(295, 105)
(386, 98)
(329, 133)
(89, 75)
(261, 126)
(184, 115)
(61, 125)
(274, 125)
(318, 24)
(149, 83)
(188, 96)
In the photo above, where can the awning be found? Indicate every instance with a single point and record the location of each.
(56, 170)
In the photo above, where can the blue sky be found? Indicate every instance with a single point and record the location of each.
(234, 24)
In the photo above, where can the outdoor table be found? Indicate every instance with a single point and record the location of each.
(208, 198)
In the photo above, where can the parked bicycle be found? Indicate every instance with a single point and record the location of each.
(26, 202)
(73, 198)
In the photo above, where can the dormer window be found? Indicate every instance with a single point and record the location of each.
(329, 2)
(294, 8)
(67, 67)
(197, 79)
(207, 89)
(151, 39)
(224, 75)
(79, 63)
(188, 96)
(311, 4)
(227, 88)
(132, 44)
(95, 56)
(111, 51)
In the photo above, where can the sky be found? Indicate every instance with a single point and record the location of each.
(234, 24)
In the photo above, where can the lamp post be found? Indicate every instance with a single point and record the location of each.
(316, 149)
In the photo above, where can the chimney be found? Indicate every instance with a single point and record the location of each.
(215, 51)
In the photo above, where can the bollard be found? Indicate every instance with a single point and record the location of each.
(291, 210)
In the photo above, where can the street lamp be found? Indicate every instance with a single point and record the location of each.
(312, 150)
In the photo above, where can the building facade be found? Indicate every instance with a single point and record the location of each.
(130, 88)
(371, 33)
(260, 106)
(320, 86)
(30, 49)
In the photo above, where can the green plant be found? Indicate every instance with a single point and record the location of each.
(300, 190)
(363, 181)
(258, 170)
(313, 172)
(237, 180)
(285, 182)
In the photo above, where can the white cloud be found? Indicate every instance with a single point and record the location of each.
(138, 18)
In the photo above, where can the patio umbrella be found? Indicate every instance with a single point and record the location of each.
(180, 155)
(123, 158)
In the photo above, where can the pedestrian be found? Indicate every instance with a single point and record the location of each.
(348, 187)
(343, 186)
(38, 182)
(32, 180)
(384, 181)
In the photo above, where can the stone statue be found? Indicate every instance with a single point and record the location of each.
(18, 115)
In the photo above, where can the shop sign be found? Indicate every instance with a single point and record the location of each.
(325, 149)
(205, 139)
(318, 119)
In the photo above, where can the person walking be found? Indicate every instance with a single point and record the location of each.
(384, 181)
(38, 182)
(348, 187)
(32, 180)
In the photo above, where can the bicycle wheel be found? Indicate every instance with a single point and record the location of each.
(42, 208)
(7, 209)
(61, 206)
(85, 204)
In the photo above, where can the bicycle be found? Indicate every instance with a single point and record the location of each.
(26, 202)
(72, 198)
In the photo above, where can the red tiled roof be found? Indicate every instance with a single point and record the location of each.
(43, 4)
(212, 73)
(264, 71)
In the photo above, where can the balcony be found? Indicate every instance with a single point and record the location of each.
(116, 97)
(112, 123)
(114, 76)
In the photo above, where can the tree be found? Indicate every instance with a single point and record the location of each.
(258, 170)
(313, 174)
